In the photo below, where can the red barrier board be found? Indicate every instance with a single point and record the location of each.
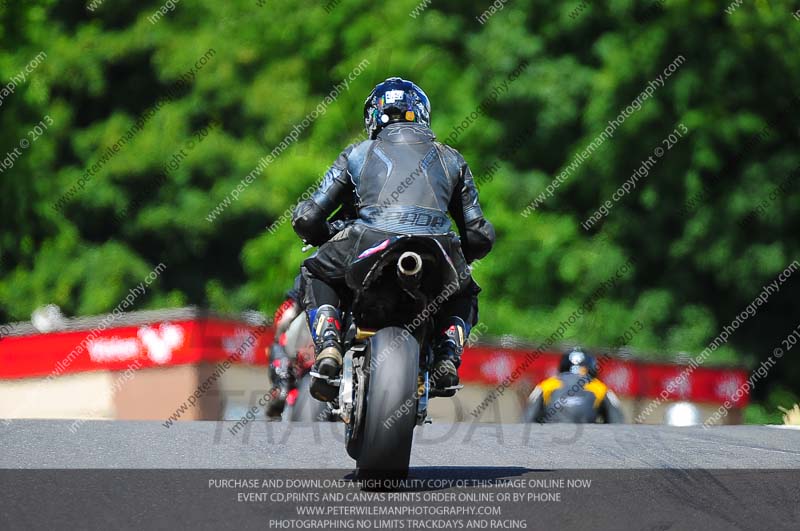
(629, 378)
(152, 345)
(214, 340)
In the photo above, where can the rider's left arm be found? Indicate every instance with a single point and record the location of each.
(535, 406)
(477, 233)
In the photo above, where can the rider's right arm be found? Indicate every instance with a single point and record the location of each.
(310, 217)
(535, 408)
(477, 234)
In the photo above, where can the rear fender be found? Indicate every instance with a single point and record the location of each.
(370, 263)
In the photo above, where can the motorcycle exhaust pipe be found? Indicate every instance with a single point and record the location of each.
(409, 264)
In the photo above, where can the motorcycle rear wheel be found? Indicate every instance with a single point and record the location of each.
(391, 406)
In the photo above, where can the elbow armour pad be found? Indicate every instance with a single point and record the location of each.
(480, 238)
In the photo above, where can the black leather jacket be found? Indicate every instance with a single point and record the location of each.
(403, 182)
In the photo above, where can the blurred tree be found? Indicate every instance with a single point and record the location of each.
(216, 86)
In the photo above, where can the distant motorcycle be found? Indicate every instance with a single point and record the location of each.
(302, 406)
(384, 386)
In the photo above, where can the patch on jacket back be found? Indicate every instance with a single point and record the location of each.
(417, 219)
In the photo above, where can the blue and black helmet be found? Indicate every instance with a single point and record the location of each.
(395, 100)
(578, 362)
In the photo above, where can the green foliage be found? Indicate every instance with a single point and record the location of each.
(768, 411)
(275, 61)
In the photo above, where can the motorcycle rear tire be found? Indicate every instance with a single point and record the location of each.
(391, 406)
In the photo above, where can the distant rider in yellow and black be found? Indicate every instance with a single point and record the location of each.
(574, 395)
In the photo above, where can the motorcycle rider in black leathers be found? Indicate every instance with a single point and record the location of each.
(574, 395)
(399, 182)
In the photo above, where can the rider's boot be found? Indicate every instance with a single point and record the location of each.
(326, 331)
(276, 403)
(280, 376)
(281, 386)
(447, 355)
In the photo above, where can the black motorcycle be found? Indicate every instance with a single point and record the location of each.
(397, 287)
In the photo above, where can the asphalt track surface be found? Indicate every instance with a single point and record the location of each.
(142, 475)
(283, 445)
